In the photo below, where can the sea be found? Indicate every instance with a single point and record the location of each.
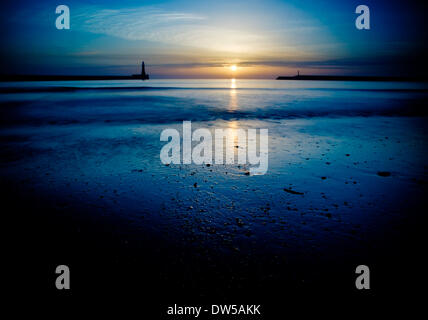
(346, 179)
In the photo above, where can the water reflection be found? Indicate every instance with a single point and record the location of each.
(233, 100)
(233, 124)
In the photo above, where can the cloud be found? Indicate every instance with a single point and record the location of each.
(174, 28)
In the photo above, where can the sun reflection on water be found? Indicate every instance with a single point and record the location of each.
(233, 100)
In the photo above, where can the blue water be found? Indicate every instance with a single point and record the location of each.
(163, 101)
(84, 157)
(95, 144)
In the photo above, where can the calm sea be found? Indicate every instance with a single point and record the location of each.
(163, 101)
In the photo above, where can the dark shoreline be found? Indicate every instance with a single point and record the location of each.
(8, 78)
(354, 78)
(111, 259)
(109, 255)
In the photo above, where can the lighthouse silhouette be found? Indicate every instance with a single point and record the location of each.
(144, 76)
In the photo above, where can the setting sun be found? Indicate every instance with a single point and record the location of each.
(233, 67)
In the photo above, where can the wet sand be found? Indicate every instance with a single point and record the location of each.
(339, 192)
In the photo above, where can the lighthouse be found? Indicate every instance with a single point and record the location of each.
(144, 76)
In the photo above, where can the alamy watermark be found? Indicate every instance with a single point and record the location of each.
(63, 280)
(363, 280)
(363, 20)
(199, 147)
(63, 20)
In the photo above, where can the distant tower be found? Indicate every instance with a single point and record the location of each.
(144, 76)
(298, 72)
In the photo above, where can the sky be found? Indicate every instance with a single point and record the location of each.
(203, 39)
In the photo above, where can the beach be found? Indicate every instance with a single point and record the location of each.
(346, 184)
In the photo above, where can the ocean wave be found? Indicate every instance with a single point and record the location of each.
(161, 114)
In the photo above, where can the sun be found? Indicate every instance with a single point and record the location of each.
(233, 67)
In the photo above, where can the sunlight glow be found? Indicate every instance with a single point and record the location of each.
(233, 67)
